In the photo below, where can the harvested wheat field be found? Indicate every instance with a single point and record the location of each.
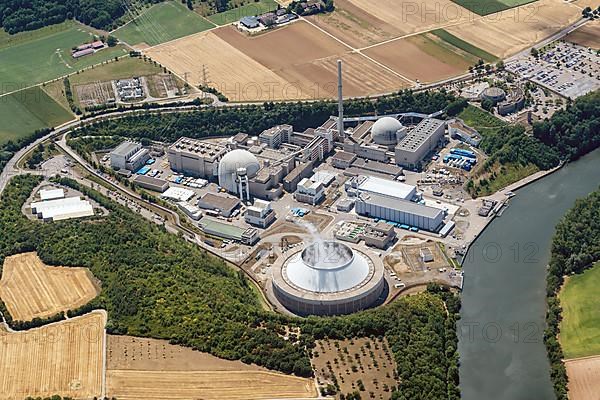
(355, 26)
(30, 289)
(508, 32)
(422, 57)
(230, 71)
(294, 62)
(154, 369)
(64, 358)
(584, 378)
(310, 63)
(415, 16)
(587, 36)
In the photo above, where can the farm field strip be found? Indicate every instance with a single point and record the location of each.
(64, 358)
(580, 324)
(208, 385)
(31, 289)
(163, 22)
(584, 378)
(28, 110)
(47, 57)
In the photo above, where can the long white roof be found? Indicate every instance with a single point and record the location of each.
(59, 209)
(387, 187)
(178, 194)
(50, 194)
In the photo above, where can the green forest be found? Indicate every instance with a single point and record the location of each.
(575, 248)
(17, 16)
(155, 284)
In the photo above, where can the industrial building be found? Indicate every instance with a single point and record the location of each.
(276, 136)
(328, 278)
(51, 194)
(129, 155)
(154, 184)
(419, 142)
(374, 185)
(260, 214)
(190, 210)
(224, 205)
(399, 211)
(195, 157)
(222, 230)
(459, 130)
(343, 159)
(62, 208)
(380, 235)
(309, 192)
(177, 194)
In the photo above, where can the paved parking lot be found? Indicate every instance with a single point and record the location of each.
(565, 68)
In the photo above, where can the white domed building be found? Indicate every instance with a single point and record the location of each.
(235, 169)
(387, 131)
(328, 278)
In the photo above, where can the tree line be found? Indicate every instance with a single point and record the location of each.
(154, 284)
(575, 248)
(17, 16)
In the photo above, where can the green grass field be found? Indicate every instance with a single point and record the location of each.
(481, 120)
(161, 23)
(23, 112)
(580, 326)
(486, 7)
(46, 55)
(124, 68)
(465, 46)
(235, 14)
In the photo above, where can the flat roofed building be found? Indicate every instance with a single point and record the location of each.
(275, 136)
(155, 184)
(459, 130)
(260, 214)
(309, 192)
(375, 166)
(343, 159)
(400, 211)
(386, 187)
(129, 155)
(426, 254)
(247, 236)
(190, 210)
(177, 194)
(226, 205)
(51, 194)
(61, 209)
(195, 157)
(419, 142)
(380, 235)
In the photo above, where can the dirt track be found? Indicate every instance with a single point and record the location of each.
(30, 289)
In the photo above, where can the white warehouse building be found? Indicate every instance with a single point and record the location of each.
(419, 142)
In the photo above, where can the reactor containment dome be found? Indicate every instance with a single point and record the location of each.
(234, 163)
(385, 131)
(328, 278)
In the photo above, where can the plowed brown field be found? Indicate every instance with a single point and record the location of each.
(584, 378)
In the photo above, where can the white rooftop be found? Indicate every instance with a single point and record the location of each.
(50, 194)
(60, 209)
(387, 187)
(178, 194)
(325, 177)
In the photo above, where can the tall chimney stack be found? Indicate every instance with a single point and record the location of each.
(340, 123)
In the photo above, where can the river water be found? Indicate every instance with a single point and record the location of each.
(502, 354)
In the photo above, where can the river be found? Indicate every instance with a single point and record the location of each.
(502, 354)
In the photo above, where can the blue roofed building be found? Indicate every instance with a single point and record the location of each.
(249, 22)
